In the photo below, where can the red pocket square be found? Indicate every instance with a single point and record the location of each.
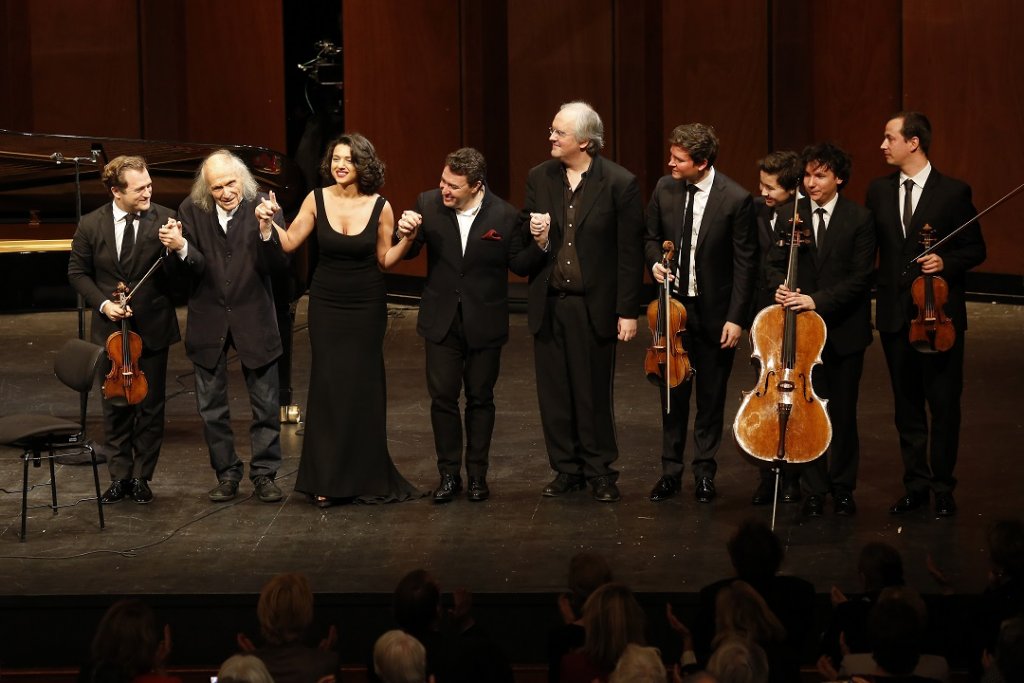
(492, 235)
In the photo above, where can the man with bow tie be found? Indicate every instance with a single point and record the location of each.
(471, 239)
(118, 243)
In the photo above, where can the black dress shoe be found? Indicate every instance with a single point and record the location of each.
(141, 492)
(564, 483)
(448, 488)
(705, 491)
(791, 490)
(912, 501)
(223, 491)
(814, 506)
(605, 490)
(945, 506)
(266, 490)
(667, 487)
(477, 490)
(764, 493)
(843, 504)
(119, 488)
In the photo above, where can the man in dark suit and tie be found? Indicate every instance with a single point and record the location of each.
(118, 243)
(222, 248)
(586, 268)
(710, 220)
(834, 279)
(903, 203)
(472, 240)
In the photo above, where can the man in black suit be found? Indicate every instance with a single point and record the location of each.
(710, 220)
(834, 279)
(118, 243)
(472, 240)
(903, 203)
(228, 256)
(779, 175)
(586, 267)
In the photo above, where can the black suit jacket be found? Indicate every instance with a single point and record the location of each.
(837, 276)
(767, 236)
(478, 280)
(94, 270)
(230, 290)
(726, 253)
(609, 232)
(945, 204)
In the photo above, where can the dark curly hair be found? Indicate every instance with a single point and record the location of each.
(369, 168)
(829, 157)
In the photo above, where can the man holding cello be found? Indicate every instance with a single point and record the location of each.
(903, 203)
(118, 243)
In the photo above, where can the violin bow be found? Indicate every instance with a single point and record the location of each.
(144, 277)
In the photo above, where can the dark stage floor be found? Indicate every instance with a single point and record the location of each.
(516, 543)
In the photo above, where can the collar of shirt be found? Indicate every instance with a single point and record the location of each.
(224, 216)
(920, 179)
(119, 214)
(706, 182)
(829, 207)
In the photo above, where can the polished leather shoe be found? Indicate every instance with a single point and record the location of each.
(791, 490)
(141, 492)
(667, 487)
(605, 490)
(119, 488)
(764, 493)
(564, 483)
(266, 490)
(224, 491)
(945, 506)
(705, 491)
(814, 506)
(911, 501)
(843, 504)
(477, 490)
(448, 488)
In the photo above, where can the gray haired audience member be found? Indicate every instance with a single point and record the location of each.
(244, 669)
(400, 658)
(737, 660)
(639, 664)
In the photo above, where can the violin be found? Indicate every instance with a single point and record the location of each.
(667, 362)
(931, 330)
(125, 383)
(781, 419)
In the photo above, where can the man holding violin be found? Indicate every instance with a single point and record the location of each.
(118, 243)
(903, 203)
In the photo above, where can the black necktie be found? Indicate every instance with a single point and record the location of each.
(686, 241)
(908, 204)
(820, 239)
(127, 241)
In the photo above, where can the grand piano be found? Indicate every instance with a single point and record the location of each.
(38, 210)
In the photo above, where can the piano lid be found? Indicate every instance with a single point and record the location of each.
(37, 174)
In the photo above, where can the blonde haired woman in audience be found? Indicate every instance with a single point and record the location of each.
(612, 619)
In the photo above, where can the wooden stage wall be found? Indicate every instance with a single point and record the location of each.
(423, 77)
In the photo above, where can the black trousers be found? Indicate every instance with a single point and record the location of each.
(923, 383)
(837, 379)
(575, 373)
(136, 432)
(451, 368)
(712, 366)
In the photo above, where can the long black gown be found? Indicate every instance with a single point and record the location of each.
(345, 451)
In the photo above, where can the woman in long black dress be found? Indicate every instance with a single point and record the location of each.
(345, 452)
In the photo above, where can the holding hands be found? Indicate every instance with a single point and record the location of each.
(408, 224)
(170, 235)
(540, 224)
(268, 206)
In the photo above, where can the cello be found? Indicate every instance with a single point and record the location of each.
(667, 362)
(782, 420)
(931, 330)
(125, 384)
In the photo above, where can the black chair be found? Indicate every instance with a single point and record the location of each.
(46, 436)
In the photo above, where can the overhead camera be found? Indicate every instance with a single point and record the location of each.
(326, 67)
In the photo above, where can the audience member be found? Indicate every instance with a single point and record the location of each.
(244, 669)
(612, 619)
(741, 612)
(285, 612)
(129, 647)
(639, 664)
(458, 649)
(1003, 598)
(737, 660)
(587, 573)
(400, 658)
(1007, 663)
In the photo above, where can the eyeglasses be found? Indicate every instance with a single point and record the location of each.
(557, 133)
